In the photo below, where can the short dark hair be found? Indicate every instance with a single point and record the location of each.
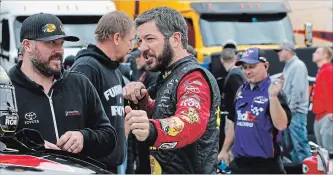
(228, 55)
(112, 23)
(168, 21)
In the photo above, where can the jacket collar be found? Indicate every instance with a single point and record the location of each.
(18, 77)
(261, 85)
(172, 67)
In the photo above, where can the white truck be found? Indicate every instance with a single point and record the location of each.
(79, 18)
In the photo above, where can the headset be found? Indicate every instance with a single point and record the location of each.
(262, 58)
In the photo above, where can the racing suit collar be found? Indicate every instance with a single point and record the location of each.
(169, 69)
(260, 85)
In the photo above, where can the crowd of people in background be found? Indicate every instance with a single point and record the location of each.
(154, 109)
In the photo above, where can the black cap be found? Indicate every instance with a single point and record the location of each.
(230, 44)
(44, 27)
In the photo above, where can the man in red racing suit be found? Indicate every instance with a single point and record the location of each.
(184, 117)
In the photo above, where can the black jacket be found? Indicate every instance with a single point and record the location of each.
(72, 104)
(232, 82)
(146, 77)
(107, 79)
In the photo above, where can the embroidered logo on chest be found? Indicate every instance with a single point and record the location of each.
(260, 100)
(72, 113)
(30, 118)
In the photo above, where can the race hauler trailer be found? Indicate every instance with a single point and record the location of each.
(79, 18)
(263, 24)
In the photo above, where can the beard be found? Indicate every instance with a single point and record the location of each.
(42, 65)
(163, 60)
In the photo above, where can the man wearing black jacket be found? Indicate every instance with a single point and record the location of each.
(114, 34)
(233, 80)
(63, 106)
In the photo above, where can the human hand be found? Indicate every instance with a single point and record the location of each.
(71, 141)
(49, 145)
(225, 156)
(137, 121)
(134, 91)
(275, 87)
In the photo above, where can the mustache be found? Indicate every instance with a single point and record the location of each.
(57, 56)
(146, 54)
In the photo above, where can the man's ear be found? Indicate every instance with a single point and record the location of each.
(27, 45)
(266, 65)
(176, 39)
(116, 38)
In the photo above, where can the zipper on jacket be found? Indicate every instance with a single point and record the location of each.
(53, 115)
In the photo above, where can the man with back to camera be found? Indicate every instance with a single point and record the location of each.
(296, 86)
(217, 68)
(232, 82)
(234, 78)
(323, 97)
(260, 114)
(63, 106)
(187, 99)
(226, 62)
(100, 63)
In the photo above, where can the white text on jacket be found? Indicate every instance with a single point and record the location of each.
(117, 110)
(113, 91)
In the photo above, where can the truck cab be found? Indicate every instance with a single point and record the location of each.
(264, 25)
(249, 24)
(79, 18)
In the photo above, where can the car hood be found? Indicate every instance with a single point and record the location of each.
(46, 163)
